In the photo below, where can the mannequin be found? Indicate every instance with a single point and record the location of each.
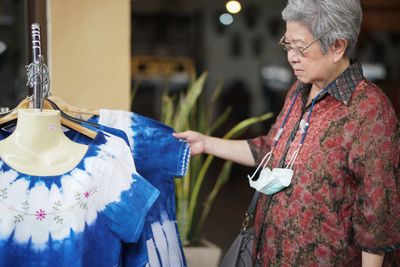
(38, 145)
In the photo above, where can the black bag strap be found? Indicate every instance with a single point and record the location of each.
(250, 211)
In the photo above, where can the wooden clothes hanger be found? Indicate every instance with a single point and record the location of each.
(77, 112)
(12, 114)
(66, 120)
(73, 123)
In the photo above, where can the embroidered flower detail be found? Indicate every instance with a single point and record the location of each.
(81, 198)
(90, 192)
(58, 219)
(18, 218)
(57, 209)
(40, 214)
(21, 214)
(3, 193)
(93, 190)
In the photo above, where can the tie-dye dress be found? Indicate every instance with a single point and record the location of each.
(78, 218)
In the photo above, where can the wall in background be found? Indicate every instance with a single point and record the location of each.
(238, 52)
(234, 54)
(89, 52)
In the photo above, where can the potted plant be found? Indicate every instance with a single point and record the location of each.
(186, 111)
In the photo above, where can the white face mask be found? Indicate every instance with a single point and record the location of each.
(270, 182)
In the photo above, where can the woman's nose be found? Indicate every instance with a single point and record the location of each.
(292, 56)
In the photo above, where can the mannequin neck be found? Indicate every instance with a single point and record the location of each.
(38, 131)
(38, 145)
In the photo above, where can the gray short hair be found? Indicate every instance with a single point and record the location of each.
(340, 18)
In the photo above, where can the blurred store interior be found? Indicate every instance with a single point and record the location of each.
(95, 47)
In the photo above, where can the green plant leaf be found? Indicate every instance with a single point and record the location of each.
(134, 91)
(233, 133)
(220, 120)
(193, 202)
(222, 178)
(167, 110)
(188, 102)
(195, 163)
(217, 91)
(188, 111)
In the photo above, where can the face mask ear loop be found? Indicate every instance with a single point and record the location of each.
(293, 158)
(276, 138)
(267, 156)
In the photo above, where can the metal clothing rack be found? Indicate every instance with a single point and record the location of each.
(39, 80)
(37, 71)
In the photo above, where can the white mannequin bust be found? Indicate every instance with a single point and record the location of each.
(38, 145)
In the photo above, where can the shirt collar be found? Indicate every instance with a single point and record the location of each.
(343, 86)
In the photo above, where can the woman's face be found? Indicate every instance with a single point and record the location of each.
(312, 66)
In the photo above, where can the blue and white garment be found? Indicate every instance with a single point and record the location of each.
(78, 218)
(159, 157)
(138, 250)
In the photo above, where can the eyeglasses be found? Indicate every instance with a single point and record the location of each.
(298, 50)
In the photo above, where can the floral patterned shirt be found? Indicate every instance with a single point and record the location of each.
(344, 195)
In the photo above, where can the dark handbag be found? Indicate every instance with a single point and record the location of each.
(241, 250)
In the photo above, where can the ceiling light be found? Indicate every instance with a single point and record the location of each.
(226, 19)
(233, 6)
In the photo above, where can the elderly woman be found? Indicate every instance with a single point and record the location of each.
(340, 135)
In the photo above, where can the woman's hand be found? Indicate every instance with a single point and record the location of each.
(196, 141)
(236, 150)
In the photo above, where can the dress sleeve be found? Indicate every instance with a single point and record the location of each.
(126, 216)
(374, 163)
(172, 154)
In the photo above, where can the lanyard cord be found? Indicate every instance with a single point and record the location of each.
(284, 121)
(276, 138)
(311, 108)
(308, 119)
(268, 202)
(294, 156)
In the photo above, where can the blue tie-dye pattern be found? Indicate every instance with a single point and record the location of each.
(154, 138)
(100, 243)
(4, 167)
(49, 181)
(93, 149)
(83, 139)
(159, 157)
(92, 247)
(138, 251)
(118, 224)
(151, 138)
(33, 180)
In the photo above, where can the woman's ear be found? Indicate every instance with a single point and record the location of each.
(338, 49)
